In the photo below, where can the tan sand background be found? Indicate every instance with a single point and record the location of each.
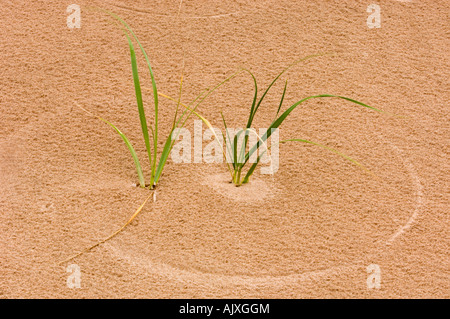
(309, 232)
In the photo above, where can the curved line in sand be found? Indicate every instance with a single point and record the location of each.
(270, 280)
(420, 198)
(175, 273)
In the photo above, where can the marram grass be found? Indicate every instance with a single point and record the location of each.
(149, 133)
(240, 156)
(151, 140)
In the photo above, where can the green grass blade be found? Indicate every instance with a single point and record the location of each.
(178, 103)
(186, 110)
(132, 151)
(127, 143)
(255, 97)
(155, 92)
(275, 124)
(250, 171)
(252, 168)
(235, 141)
(282, 99)
(250, 117)
(140, 104)
(168, 145)
(164, 155)
(278, 76)
(254, 108)
(227, 139)
(283, 116)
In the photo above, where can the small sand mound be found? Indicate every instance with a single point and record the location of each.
(256, 190)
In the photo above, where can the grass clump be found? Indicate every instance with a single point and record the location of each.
(150, 133)
(238, 147)
(241, 154)
(179, 121)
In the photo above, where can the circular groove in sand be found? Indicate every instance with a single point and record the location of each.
(172, 272)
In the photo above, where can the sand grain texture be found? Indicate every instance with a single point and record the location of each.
(66, 179)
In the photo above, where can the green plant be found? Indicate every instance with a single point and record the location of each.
(239, 157)
(151, 144)
(241, 154)
(231, 146)
(242, 158)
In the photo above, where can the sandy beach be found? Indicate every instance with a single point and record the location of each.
(315, 229)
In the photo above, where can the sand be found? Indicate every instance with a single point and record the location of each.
(310, 231)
